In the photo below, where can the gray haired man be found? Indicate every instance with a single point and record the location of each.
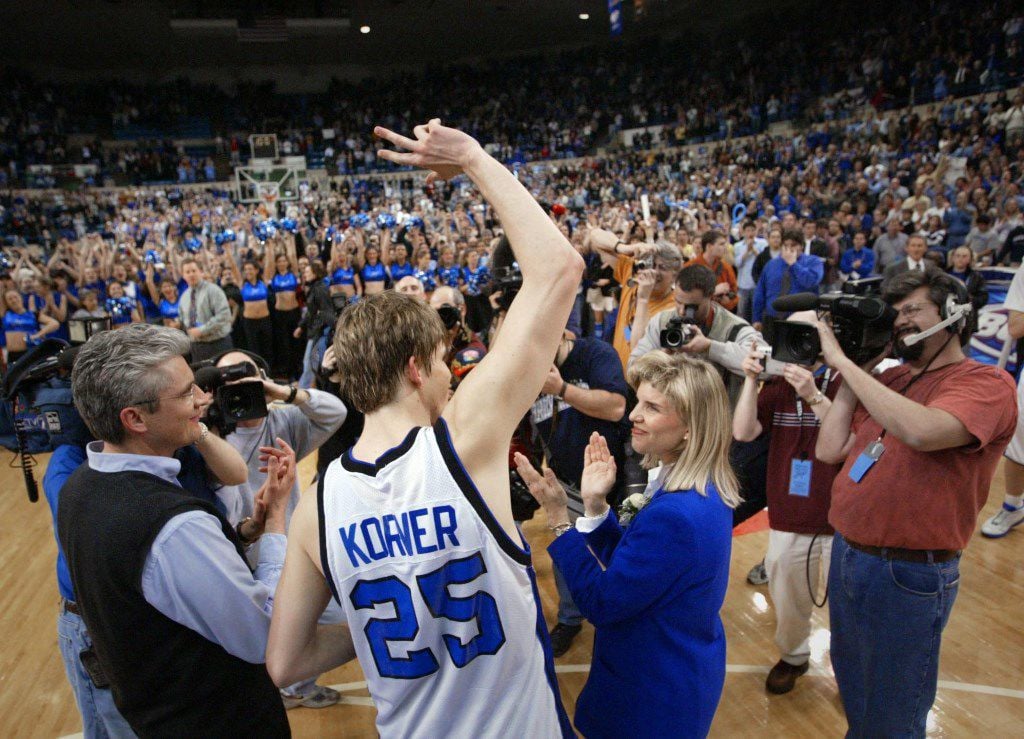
(160, 577)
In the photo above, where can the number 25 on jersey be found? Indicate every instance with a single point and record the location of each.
(433, 587)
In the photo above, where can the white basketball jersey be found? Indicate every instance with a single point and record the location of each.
(441, 603)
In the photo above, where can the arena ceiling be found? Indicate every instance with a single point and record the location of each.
(108, 35)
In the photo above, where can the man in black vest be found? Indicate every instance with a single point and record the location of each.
(178, 621)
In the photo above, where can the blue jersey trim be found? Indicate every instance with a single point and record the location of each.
(350, 463)
(468, 488)
(549, 659)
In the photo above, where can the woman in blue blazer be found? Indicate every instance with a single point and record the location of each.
(653, 590)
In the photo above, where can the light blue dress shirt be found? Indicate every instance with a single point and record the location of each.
(193, 574)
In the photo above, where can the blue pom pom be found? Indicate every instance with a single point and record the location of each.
(385, 220)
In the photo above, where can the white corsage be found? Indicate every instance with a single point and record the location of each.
(632, 506)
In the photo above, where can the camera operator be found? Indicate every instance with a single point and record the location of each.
(306, 420)
(303, 418)
(797, 488)
(160, 578)
(919, 445)
(703, 327)
(465, 348)
(585, 392)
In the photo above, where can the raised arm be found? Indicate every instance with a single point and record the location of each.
(493, 398)
(293, 258)
(269, 257)
(154, 293)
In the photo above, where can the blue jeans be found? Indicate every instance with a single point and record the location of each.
(887, 618)
(308, 376)
(568, 613)
(100, 717)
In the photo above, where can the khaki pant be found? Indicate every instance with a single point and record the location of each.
(786, 565)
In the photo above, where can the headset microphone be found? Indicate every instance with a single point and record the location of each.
(957, 311)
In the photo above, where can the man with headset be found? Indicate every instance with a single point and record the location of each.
(304, 419)
(919, 445)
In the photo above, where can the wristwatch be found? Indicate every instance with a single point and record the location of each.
(204, 432)
(560, 528)
(238, 530)
(816, 398)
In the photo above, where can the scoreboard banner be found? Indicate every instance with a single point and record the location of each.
(991, 342)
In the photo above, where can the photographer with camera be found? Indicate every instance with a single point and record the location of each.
(645, 273)
(797, 489)
(465, 348)
(304, 419)
(585, 392)
(700, 326)
(159, 577)
(919, 444)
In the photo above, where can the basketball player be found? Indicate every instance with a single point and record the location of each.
(411, 530)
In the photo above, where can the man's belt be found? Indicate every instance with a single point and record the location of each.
(906, 555)
(71, 607)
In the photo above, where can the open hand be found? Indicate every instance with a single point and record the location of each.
(598, 475)
(545, 489)
(445, 151)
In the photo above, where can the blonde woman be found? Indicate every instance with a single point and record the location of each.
(653, 590)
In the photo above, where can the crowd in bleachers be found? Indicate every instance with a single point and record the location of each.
(825, 66)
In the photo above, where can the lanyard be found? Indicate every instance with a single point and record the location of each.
(825, 372)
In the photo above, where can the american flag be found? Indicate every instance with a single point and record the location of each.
(265, 29)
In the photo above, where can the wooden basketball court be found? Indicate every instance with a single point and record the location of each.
(981, 688)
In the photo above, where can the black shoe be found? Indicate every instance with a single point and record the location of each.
(561, 638)
(783, 676)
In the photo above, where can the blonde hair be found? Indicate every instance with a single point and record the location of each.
(374, 340)
(697, 394)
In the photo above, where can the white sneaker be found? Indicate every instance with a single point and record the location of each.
(1001, 523)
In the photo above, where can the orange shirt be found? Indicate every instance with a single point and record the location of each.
(724, 272)
(627, 308)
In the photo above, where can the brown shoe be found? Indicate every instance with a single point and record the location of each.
(783, 676)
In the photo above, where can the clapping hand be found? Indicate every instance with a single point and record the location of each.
(598, 475)
(545, 489)
(279, 465)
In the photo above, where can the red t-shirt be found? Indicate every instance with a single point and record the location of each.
(794, 432)
(928, 500)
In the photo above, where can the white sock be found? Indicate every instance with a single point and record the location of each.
(1014, 501)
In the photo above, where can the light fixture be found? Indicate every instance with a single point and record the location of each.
(584, 16)
(364, 29)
